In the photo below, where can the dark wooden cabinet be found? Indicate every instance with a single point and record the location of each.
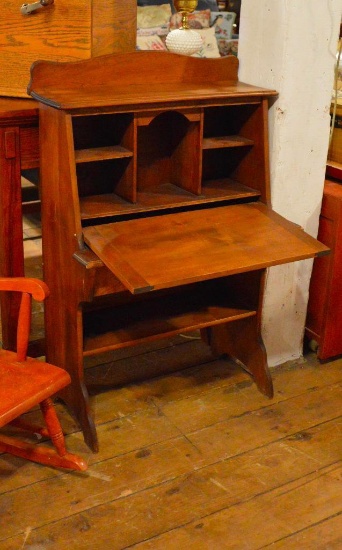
(155, 209)
(19, 150)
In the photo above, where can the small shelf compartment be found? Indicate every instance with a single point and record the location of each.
(113, 178)
(231, 120)
(168, 151)
(234, 140)
(104, 155)
(161, 315)
(103, 130)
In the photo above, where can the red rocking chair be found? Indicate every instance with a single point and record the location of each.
(27, 382)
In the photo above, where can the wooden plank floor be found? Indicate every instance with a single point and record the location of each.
(194, 459)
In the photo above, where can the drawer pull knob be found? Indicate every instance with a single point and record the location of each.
(26, 9)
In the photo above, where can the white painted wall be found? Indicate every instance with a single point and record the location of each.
(290, 46)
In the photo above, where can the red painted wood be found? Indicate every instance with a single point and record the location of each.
(26, 382)
(324, 318)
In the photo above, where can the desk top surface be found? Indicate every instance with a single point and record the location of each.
(16, 111)
(14, 104)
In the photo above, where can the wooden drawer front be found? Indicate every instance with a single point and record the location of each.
(65, 31)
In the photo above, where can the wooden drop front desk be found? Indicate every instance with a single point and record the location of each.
(156, 213)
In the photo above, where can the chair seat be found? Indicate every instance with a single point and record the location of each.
(24, 385)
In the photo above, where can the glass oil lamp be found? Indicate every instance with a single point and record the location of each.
(184, 40)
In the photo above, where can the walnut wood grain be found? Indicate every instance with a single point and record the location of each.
(195, 81)
(226, 141)
(164, 196)
(199, 245)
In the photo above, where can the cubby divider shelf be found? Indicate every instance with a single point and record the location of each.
(164, 197)
(102, 153)
(221, 142)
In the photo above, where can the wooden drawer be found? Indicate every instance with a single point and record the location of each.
(65, 31)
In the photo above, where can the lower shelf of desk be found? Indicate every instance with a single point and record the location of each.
(159, 315)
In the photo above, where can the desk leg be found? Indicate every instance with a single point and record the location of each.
(76, 399)
(64, 348)
(11, 229)
(242, 340)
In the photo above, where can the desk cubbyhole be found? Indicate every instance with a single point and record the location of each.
(106, 130)
(229, 121)
(105, 162)
(233, 146)
(220, 173)
(169, 155)
(104, 185)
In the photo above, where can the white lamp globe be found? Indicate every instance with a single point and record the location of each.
(184, 41)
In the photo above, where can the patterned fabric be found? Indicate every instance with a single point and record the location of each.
(153, 42)
(223, 22)
(153, 16)
(202, 4)
(209, 48)
(197, 20)
(228, 47)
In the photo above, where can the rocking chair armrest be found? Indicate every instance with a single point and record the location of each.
(38, 289)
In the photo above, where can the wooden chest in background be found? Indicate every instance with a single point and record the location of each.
(335, 149)
(67, 30)
(324, 317)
